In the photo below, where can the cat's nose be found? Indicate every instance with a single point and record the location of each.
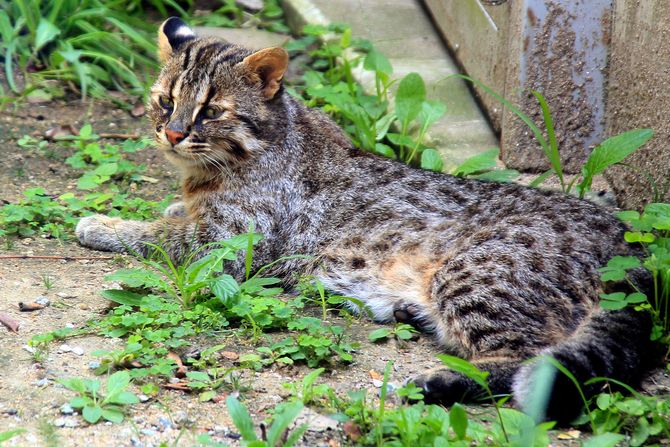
(175, 137)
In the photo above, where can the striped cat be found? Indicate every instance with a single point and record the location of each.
(499, 273)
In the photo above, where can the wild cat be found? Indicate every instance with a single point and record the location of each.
(499, 273)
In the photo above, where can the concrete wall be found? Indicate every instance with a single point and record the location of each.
(639, 96)
(603, 66)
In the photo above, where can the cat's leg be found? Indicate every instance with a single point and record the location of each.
(176, 235)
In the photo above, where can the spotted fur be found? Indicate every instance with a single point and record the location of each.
(499, 273)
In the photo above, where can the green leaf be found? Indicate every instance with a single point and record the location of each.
(477, 163)
(241, 419)
(385, 150)
(9, 434)
(635, 298)
(604, 440)
(498, 175)
(637, 236)
(282, 421)
(206, 396)
(123, 297)
(612, 151)
(431, 111)
(225, 287)
(458, 419)
(431, 160)
(466, 368)
(136, 277)
(640, 433)
(124, 398)
(118, 382)
(80, 402)
(92, 414)
(603, 401)
(379, 334)
(46, 32)
(112, 415)
(409, 98)
(376, 61)
(74, 384)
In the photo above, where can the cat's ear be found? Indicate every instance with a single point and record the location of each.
(171, 35)
(269, 66)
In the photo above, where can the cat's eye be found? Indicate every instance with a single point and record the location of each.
(211, 112)
(165, 102)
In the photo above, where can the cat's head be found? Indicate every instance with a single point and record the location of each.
(211, 101)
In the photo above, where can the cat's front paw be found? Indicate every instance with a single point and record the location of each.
(177, 209)
(100, 233)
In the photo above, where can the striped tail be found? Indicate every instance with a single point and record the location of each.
(611, 344)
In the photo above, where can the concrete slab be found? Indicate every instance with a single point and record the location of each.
(402, 31)
(247, 37)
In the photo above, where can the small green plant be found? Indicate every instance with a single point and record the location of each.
(400, 331)
(651, 229)
(231, 15)
(103, 163)
(367, 118)
(94, 404)
(276, 435)
(608, 153)
(92, 44)
(9, 434)
(47, 281)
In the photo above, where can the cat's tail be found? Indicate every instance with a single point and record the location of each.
(611, 344)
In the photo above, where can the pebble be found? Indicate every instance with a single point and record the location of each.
(251, 5)
(165, 423)
(175, 380)
(10, 411)
(66, 409)
(43, 301)
(65, 348)
(41, 382)
(66, 422)
(181, 417)
(28, 348)
(77, 350)
(148, 432)
(143, 397)
(65, 295)
(94, 364)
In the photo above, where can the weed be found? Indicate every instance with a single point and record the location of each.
(651, 229)
(95, 405)
(47, 281)
(231, 15)
(9, 434)
(39, 212)
(400, 331)
(276, 435)
(48, 433)
(93, 44)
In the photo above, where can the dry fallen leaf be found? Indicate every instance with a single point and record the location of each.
(64, 130)
(181, 386)
(352, 430)
(572, 434)
(230, 355)
(374, 375)
(181, 369)
(9, 322)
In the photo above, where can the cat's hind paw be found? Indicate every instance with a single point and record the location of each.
(99, 232)
(445, 387)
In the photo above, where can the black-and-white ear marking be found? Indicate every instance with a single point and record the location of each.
(171, 36)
